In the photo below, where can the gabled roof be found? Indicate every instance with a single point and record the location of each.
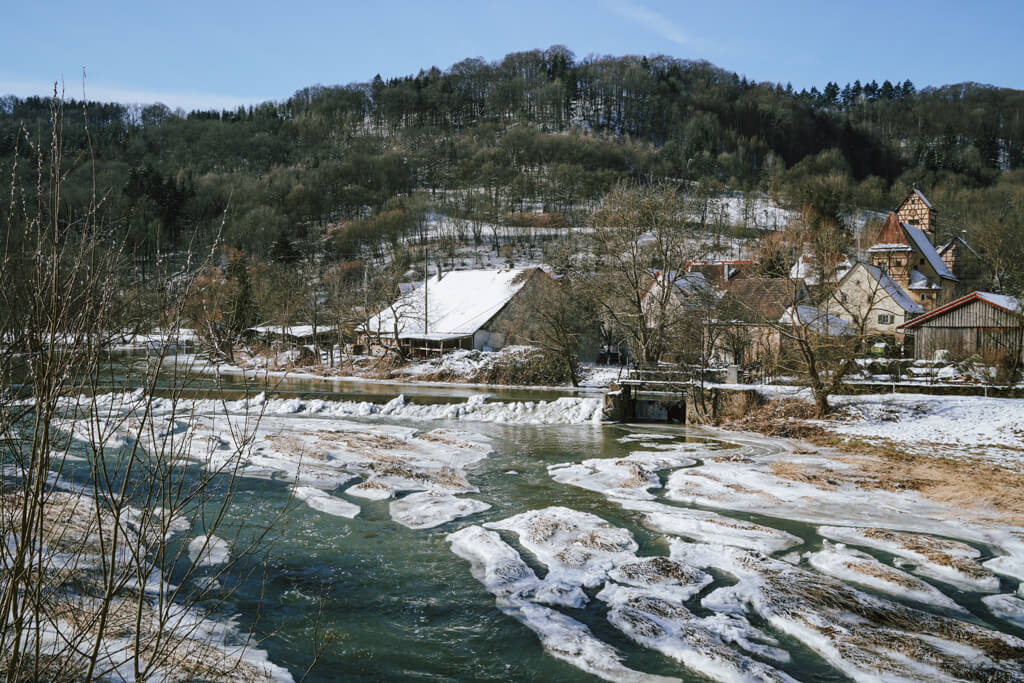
(887, 284)
(683, 284)
(919, 194)
(760, 299)
(1000, 301)
(898, 236)
(953, 241)
(460, 303)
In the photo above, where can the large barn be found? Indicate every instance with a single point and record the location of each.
(462, 309)
(982, 323)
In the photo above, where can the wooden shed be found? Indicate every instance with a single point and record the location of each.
(990, 325)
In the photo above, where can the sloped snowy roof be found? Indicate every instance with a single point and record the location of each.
(815, 319)
(1010, 303)
(688, 283)
(919, 281)
(901, 298)
(460, 303)
(1007, 303)
(924, 245)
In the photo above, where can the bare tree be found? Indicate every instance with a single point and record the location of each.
(96, 579)
(642, 244)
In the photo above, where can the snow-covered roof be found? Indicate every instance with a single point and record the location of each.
(1010, 303)
(688, 283)
(919, 281)
(1002, 301)
(924, 245)
(817, 320)
(899, 297)
(460, 303)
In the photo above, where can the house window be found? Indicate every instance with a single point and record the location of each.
(884, 319)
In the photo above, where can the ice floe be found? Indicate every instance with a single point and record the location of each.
(504, 574)
(698, 643)
(856, 567)
(937, 558)
(208, 551)
(1007, 607)
(324, 502)
(427, 509)
(711, 527)
(577, 547)
(866, 637)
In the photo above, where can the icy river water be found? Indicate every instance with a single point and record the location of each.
(549, 574)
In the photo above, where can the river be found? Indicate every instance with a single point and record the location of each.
(398, 603)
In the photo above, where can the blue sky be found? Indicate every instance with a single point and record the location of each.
(220, 53)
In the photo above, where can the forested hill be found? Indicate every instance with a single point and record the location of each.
(535, 128)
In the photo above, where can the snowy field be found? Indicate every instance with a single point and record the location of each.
(990, 429)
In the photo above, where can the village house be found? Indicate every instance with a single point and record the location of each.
(965, 263)
(905, 248)
(981, 323)
(462, 309)
(869, 298)
(745, 333)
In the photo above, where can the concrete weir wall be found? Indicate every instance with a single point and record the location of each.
(696, 405)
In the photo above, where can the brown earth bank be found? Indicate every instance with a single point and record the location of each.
(992, 492)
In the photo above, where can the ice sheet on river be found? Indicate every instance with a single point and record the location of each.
(645, 595)
(856, 567)
(628, 477)
(867, 637)
(504, 574)
(428, 509)
(1007, 607)
(937, 558)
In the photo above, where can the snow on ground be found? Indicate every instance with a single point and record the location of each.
(986, 428)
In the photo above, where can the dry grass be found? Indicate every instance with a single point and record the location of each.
(995, 491)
